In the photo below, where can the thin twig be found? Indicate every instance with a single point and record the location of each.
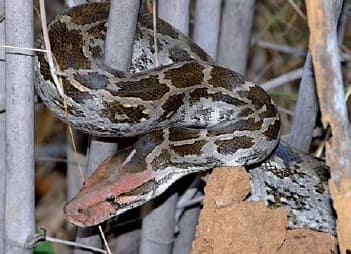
(283, 79)
(129, 158)
(75, 244)
(191, 202)
(154, 22)
(48, 48)
(76, 157)
(281, 48)
(104, 240)
(23, 48)
(286, 111)
(297, 9)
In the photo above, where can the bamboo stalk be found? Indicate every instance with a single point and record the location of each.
(206, 27)
(235, 34)
(19, 220)
(175, 12)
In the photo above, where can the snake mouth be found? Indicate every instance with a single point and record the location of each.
(90, 216)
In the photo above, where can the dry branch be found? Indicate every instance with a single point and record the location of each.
(282, 79)
(306, 109)
(322, 16)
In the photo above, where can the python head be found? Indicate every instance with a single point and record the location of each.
(120, 183)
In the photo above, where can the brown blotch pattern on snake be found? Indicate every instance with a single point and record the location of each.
(161, 161)
(234, 144)
(98, 31)
(87, 14)
(148, 89)
(189, 149)
(72, 92)
(132, 114)
(171, 106)
(222, 77)
(67, 47)
(199, 93)
(272, 132)
(179, 134)
(259, 98)
(190, 74)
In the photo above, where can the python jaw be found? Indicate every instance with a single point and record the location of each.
(109, 191)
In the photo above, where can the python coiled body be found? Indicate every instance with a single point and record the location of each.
(190, 115)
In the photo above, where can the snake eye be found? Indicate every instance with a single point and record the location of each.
(111, 198)
(80, 210)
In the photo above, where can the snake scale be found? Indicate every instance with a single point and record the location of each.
(190, 115)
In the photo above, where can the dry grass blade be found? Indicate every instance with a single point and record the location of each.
(48, 48)
(154, 21)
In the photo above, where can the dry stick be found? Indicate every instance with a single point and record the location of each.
(236, 20)
(206, 27)
(154, 22)
(282, 79)
(326, 62)
(19, 216)
(75, 244)
(2, 131)
(73, 175)
(297, 9)
(307, 106)
(281, 48)
(187, 218)
(306, 110)
(57, 82)
(187, 225)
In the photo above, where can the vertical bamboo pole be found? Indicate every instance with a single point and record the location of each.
(176, 13)
(234, 41)
(207, 23)
(19, 126)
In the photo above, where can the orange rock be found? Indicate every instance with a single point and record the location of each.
(300, 241)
